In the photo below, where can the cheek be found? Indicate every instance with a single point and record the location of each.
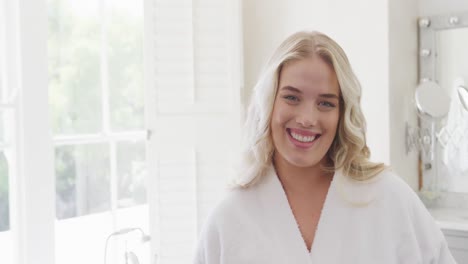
(332, 123)
(279, 116)
(276, 124)
(274, 120)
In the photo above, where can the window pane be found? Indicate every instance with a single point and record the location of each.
(74, 50)
(131, 169)
(4, 197)
(125, 56)
(82, 180)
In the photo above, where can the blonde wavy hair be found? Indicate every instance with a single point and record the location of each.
(348, 151)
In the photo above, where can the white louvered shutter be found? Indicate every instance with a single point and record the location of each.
(194, 63)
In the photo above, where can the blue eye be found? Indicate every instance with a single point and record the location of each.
(291, 98)
(327, 104)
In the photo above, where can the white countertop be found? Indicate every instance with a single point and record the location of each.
(450, 218)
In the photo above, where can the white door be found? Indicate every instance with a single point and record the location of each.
(193, 74)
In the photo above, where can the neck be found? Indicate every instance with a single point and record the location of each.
(301, 180)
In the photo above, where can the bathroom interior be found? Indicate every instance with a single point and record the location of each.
(128, 171)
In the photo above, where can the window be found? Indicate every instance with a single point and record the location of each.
(96, 97)
(92, 173)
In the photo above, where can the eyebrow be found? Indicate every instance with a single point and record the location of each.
(329, 96)
(293, 89)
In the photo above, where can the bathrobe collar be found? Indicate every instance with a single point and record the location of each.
(281, 221)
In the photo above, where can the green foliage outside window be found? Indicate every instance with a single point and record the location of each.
(76, 68)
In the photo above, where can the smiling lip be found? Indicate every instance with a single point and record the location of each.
(299, 144)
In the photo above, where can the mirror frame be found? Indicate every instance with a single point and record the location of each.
(427, 69)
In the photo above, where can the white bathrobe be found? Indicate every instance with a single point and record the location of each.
(256, 225)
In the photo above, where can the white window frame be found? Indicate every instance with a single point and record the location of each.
(33, 192)
(8, 109)
(32, 188)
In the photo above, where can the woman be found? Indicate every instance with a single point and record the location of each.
(308, 193)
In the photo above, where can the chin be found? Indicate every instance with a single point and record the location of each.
(301, 162)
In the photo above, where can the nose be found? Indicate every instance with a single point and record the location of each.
(307, 117)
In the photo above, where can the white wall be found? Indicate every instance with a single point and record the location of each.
(442, 7)
(360, 27)
(403, 79)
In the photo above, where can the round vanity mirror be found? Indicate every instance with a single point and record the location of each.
(463, 95)
(431, 100)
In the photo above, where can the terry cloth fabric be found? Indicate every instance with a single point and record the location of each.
(377, 221)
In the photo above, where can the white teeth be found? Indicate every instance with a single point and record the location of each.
(302, 138)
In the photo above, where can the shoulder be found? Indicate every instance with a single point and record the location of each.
(390, 183)
(237, 204)
(395, 192)
(386, 187)
(388, 193)
(417, 226)
(234, 204)
(222, 225)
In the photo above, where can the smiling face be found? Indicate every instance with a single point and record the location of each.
(305, 113)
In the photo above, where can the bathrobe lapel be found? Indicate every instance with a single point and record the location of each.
(282, 224)
(328, 242)
(332, 238)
